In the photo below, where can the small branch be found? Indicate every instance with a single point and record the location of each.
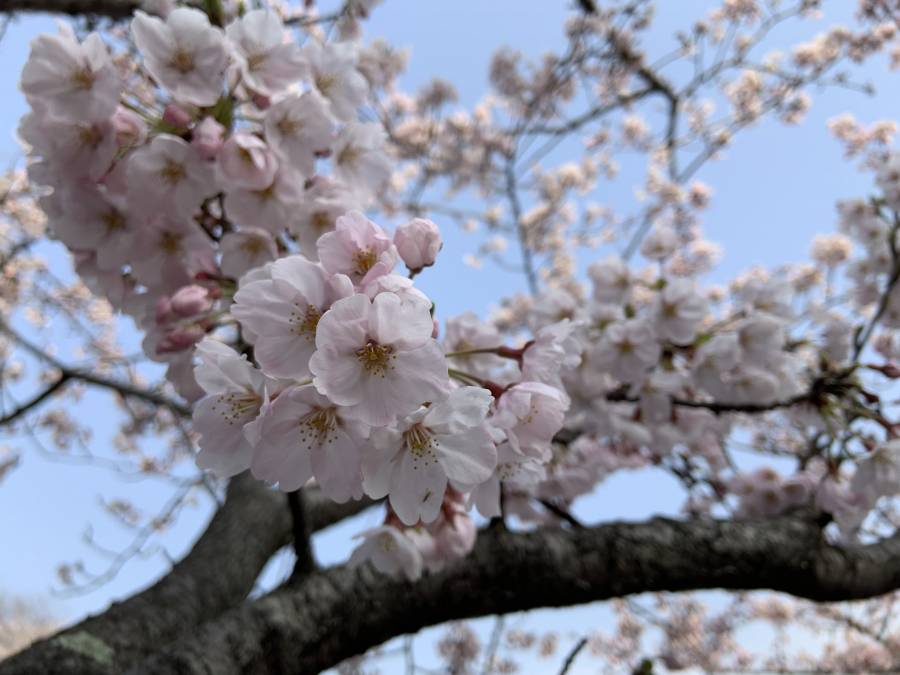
(570, 659)
(36, 400)
(561, 513)
(125, 389)
(300, 532)
(490, 653)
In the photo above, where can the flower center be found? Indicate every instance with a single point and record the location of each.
(324, 83)
(305, 320)
(321, 221)
(234, 405)
(113, 220)
(376, 358)
(254, 61)
(348, 155)
(83, 78)
(170, 243)
(418, 440)
(90, 136)
(317, 427)
(288, 126)
(364, 259)
(172, 172)
(182, 61)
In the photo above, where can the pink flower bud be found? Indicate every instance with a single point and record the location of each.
(164, 313)
(262, 102)
(180, 339)
(418, 243)
(207, 137)
(191, 301)
(129, 127)
(177, 116)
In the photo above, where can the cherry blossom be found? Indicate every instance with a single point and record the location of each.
(377, 357)
(444, 442)
(184, 53)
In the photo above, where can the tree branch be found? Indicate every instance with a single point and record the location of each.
(340, 612)
(35, 400)
(125, 389)
(217, 574)
(114, 9)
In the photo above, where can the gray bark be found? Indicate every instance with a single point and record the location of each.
(218, 573)
(114, 9)
(340, 612)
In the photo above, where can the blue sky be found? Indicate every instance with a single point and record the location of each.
(776, 189)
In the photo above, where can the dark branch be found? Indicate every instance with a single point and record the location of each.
(114, 9)
(125, 389)
(36, 400)
(340, 612)
(217, 574)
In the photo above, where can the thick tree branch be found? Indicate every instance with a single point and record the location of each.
(218, 573)
(340, 612)
(114, 9)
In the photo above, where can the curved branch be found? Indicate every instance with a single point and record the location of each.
(114, 9)
(340, 612)
(35, 401)
(218, 573)
(124, 389)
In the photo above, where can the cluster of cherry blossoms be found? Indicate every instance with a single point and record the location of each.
(212, 185)
(189, 185)
(207, 154)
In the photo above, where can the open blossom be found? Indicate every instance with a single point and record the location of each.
(303, 434)
(71, 81)
(70, 148)
(465, 333)
(225, 418)
(660, 243)
(245, 161)
(553, 353)
(390, 551)
(332, 70)
(612, 280)
(679, 311)
(283, 313)
(269, 59)
(627, 349)
(445, 442)
(245, 250)
(418, 243)
(378, 357)
(184, 53)
(324, 201)
(517, 471)
(530, 414)
(878, 475)
(359, 157)
(168, 173)
(358, 248)
(270, 208)
(170, 252)
(299, 127)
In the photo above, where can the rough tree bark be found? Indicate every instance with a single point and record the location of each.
(340, 612)
(218, 573)
(114, 9)
(333, 614)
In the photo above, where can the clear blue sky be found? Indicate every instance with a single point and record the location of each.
(776, 189)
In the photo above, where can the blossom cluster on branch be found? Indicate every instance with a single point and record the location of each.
(210, 175)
